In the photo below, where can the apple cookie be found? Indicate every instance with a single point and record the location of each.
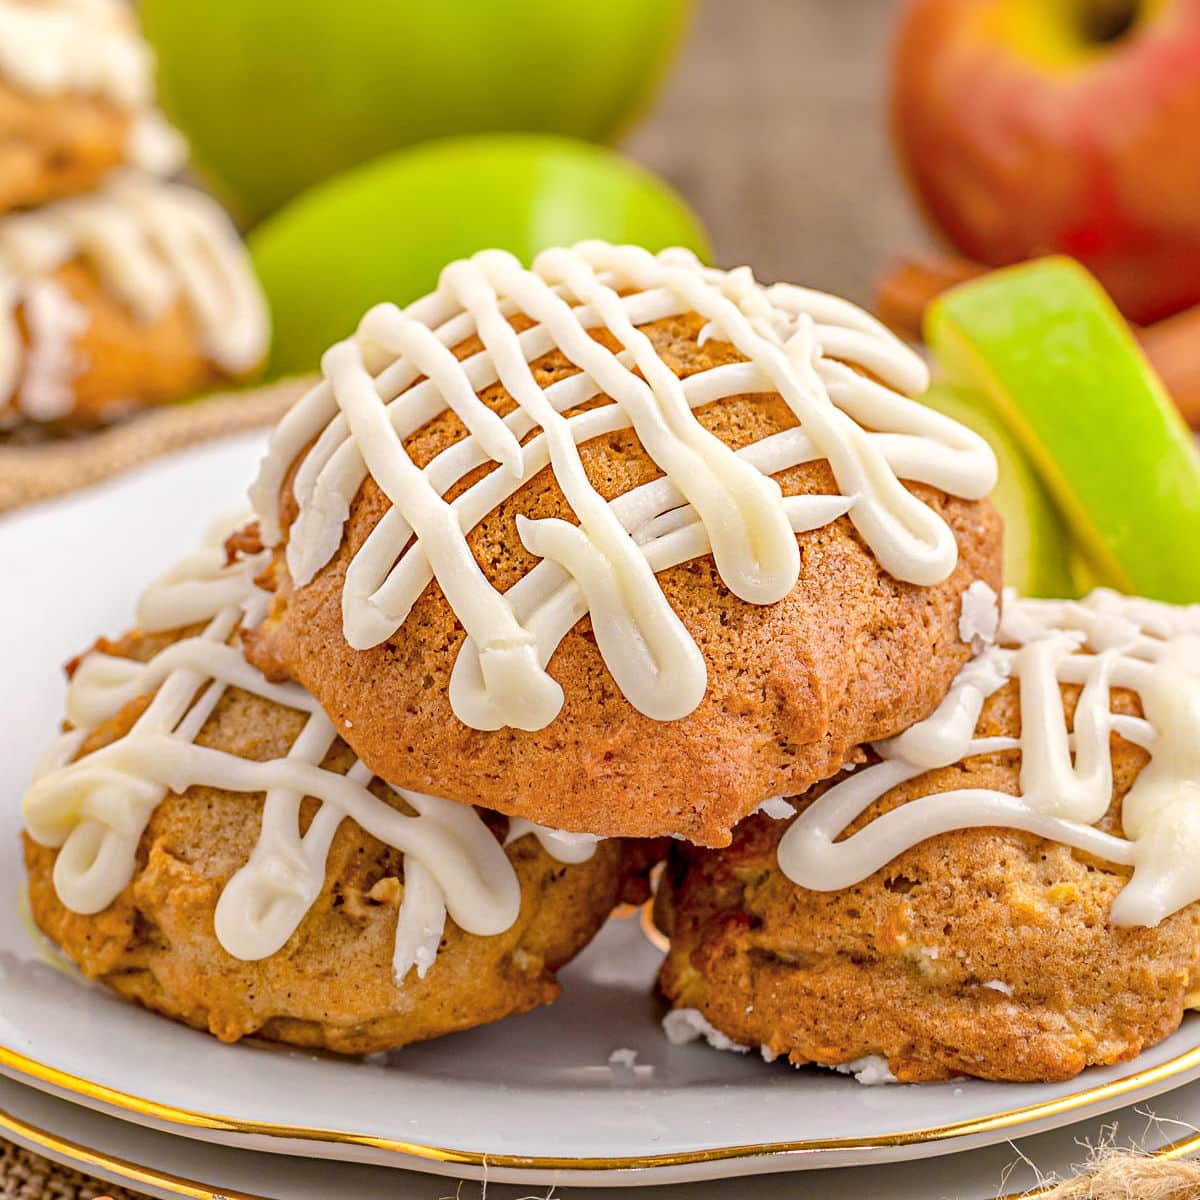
(203, 843)
(1006, 890)
(137, 294)
(618, 543)
(76, 100)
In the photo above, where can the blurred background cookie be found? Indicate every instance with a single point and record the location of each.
(130, 296)
(118, 290)
(76, 100)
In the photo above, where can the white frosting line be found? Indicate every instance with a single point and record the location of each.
(155, 146)
(90, 46)
(421, 921)
(1066, 783)
(560, 844)
(95, 809)
(398, 372)
(871, 1070)
(53, 320)
(152, 244)
(979, 619)
(777, 808)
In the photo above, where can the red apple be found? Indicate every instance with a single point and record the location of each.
(1030, 126)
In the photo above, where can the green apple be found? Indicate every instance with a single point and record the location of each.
(385, 230)
(1037, 547)
(1084, 576)
(1062, 371)
(276, 95)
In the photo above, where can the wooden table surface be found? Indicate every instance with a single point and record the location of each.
(774, 126)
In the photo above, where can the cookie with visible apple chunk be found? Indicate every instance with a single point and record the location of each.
(985, 952)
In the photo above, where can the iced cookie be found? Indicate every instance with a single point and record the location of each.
(138, 294)
(1008, 889)
(620, 543)
(202, 842)
(76, 100)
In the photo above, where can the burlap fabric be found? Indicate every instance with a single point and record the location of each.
(25, 1176)
(40, 470)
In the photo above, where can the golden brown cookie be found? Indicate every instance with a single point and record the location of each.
(76, 100)
(120, 363)
(53, 146)
(137, 295)
(982, 952)
(331, 985)
(850, 654)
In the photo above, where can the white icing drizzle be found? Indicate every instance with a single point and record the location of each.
(979, 616)
(398, 372)
(89, 47)
(684, 1025)
(152, 244)
(155, 146)
(1066, 784)
(560, 844)
(871, 1070)
(48, 47)
(53, 320)
(778, 808)
(95, 809)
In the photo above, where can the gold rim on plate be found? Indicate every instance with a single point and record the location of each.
(13, 1062)
(126, 1172)
(89, 1161)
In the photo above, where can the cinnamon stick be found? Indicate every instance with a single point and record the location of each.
(1172, 345)
(910, 285)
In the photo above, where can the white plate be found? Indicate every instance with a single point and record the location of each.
(161, 1164)
(531, 1100)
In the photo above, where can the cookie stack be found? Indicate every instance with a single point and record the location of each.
(117, 289)
(616, 558)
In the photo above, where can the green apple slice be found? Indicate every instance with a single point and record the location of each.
(1037, 547)
(1062, 372)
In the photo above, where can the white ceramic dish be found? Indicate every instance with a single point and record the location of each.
(161, 1164)
(532, 1100)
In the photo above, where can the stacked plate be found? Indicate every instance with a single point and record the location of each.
(552, 1098)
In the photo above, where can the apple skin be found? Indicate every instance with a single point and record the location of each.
(275, 95)
(385, 230)
(1021, 138)
(1061, 371)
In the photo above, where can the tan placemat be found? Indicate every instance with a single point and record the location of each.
(25, 1176)
(39, 471)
